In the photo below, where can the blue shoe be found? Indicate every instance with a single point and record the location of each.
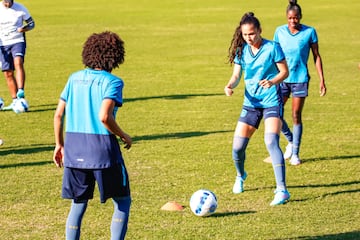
(281, 197)
(239, 184)
(20, 93)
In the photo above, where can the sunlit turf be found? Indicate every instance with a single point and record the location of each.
(182, 124)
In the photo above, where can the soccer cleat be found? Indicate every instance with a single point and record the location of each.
(20, 93)
(239, 184)
(288, 151)
(281, 197)
(11, 106)
(295, 160)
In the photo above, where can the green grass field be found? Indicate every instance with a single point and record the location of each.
(182, 124)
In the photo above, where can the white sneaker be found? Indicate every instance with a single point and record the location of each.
(10, 106)
(295, 160)
(288, 151)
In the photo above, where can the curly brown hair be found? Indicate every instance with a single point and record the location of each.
(103, 51)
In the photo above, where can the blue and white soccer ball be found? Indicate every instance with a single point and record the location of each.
(21, 105)
(203, 203)
(2, 103)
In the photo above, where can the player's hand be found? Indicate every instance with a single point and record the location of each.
(127, 140)
(322, 91)
(266, 83)
(228, 90)
(58, 156)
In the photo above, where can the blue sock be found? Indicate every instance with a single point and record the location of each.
(286, 131)
(238, 153)
(73, 223)
(272, 145)
(297, 130)
(120, 218)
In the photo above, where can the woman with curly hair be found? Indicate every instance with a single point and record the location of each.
(264, 67)
(91, 152)
(296, 40)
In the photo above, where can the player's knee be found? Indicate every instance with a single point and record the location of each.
(239, 147)
(271, 140)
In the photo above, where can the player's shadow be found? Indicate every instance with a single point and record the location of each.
(24, 150)
(27, 149)
(42, 108)
(343, 236)
(25, 164)
(178, 135)
(229, 214)
(334, 193)
(315, 159)
(171, 97)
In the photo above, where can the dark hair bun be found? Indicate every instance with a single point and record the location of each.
(293, 2)
(250, 14)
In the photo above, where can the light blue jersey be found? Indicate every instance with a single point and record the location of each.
(296, 48)
(258, 67)
(88, 144)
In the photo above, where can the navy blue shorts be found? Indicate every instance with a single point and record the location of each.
(79, 184)
(295, 89)
(253, 116)
(8, 53)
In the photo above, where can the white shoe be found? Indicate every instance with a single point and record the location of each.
(10, 106)
(295, 160)
(288, 151)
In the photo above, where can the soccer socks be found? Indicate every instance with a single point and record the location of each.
(238, 153)
(272, 145)
(120, 218)
(73, 223)
(297, 133)
(286, 131)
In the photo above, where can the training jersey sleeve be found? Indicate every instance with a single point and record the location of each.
(278, 53)
(114, 91)
(313, 36)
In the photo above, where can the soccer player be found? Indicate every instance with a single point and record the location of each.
(296, 40)
(13, 46)
(264, 66)
(91, 152)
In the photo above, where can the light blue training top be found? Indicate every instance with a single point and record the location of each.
(88, 144)
(258, 67)
(296, 48)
